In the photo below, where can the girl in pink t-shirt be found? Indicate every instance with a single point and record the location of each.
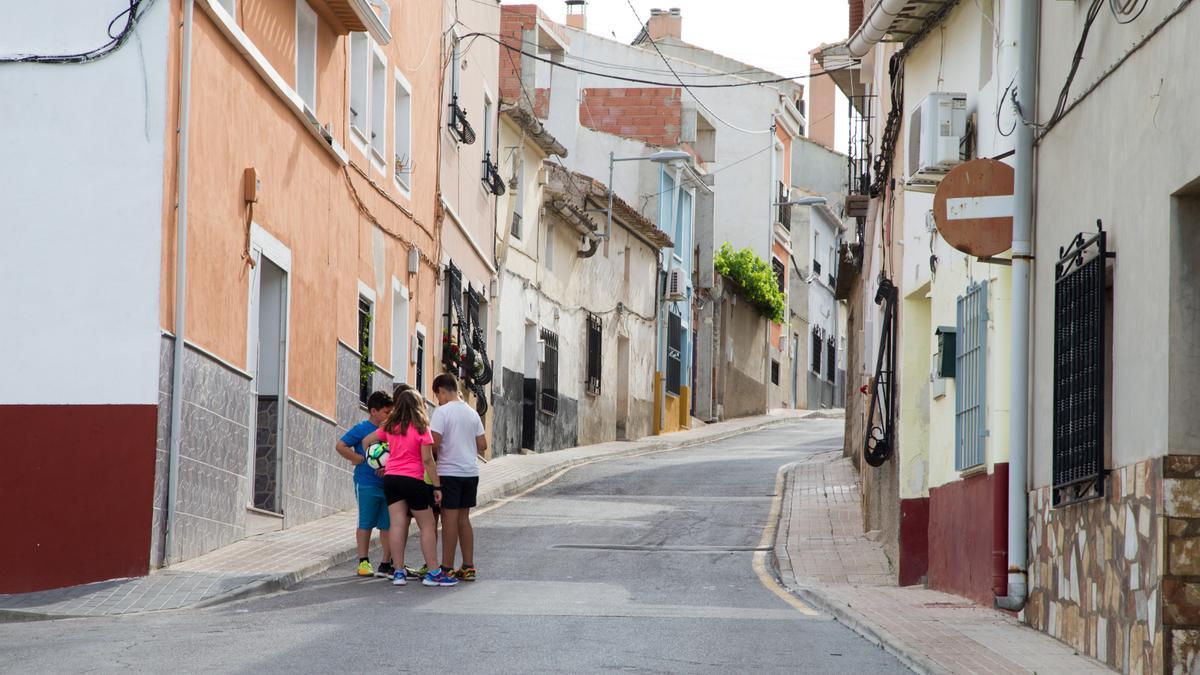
(410, 459)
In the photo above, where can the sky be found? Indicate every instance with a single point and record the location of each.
(772, 34)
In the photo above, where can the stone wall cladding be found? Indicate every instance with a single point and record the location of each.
(560, 430)
(507, 412)
(317, 481)
(162, 448)
(1181, 578)
(1094, 570)
(213, 454)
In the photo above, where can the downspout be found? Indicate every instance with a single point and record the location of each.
(1022, 258)
(181, 174)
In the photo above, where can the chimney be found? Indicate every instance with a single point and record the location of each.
(820, 115)
(577, 14)
(665, 23)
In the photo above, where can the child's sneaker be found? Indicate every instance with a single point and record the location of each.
(399, 578)
(439, 578)
(385, 570)
(365, 569)
(464, 574)
(418, 573)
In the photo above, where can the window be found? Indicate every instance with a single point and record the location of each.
(518, 198)
(816, 351)
(816, 268)
(549, 398)
(402, 133)
(774, 372)
(628, 263)
(594, 370)
(306, 54)
(377, 123)
(1080, 354)
(419, 357)
(683, 223)
(780, 272)
(400, 342)
(970, 409)
(666, 189)
(365, 368)
(360, 59)
(674, 353)
(455, 66)
(487, 132)
(830, 360)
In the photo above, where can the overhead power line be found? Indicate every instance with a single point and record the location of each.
(131, 14)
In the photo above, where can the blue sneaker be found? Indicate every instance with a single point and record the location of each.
(439, 577)
(399, 578)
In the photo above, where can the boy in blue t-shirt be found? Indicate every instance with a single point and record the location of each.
(368, 487)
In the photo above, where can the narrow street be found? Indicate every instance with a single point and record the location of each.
(642, 565)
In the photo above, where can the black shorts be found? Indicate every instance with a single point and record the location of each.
(412, 491)
(459, 492)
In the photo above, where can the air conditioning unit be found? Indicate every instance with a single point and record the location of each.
(935, 132)
(676, 284)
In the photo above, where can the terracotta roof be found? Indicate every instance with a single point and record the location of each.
(577, 187)
(524, 118)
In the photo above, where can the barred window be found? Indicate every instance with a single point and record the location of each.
(830, 359)
(780, 272)
(593, 354)
(774, 372)
(549, 398)
(364, 349)
(816, 352)
(970, 403)
(674, 353)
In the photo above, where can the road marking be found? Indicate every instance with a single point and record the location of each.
(760, 557)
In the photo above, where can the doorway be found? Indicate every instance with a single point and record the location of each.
(269, 308)
(622, 388)
(529, 389)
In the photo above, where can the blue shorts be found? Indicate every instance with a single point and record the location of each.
(372, 508)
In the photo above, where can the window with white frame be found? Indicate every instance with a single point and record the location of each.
(306, 54)
(402, 112)
(488, 155)
(518, 196)
(377, 122)
(455, 65)
(400, 339)
(360, 65)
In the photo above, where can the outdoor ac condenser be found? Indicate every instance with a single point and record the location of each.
(676, 284)
(936, 130)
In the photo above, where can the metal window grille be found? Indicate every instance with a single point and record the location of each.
(816, 352)
(785, 211)
(970, 403)
(774, 372)
(1079, 351)
(549, 397)
(780, 272)
(674, 353)
(364, 348)
(816, 267)
(516, 226)
(594, 370)
(420, 363)
(830, 359)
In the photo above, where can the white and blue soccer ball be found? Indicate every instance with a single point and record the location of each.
(377, 455)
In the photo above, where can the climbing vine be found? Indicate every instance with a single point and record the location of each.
(756, 279)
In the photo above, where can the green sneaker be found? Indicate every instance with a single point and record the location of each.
(464, 574)
(416, 573)
(365, 569)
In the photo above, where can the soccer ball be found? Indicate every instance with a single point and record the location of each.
(377, 456)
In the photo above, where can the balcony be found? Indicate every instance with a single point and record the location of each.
(356, 16)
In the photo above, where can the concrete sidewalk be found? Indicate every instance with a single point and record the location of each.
(824, 557)
(275, 560)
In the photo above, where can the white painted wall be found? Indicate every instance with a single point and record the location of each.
(82, 214)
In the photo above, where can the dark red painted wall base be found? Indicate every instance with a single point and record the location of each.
(914, 540)
(968, 534)
(76, 493)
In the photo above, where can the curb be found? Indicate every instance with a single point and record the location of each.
(279, 582)
(913, 659)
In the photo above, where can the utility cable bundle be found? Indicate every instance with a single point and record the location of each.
(131, 14)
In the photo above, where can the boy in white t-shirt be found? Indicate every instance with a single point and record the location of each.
(458, 440)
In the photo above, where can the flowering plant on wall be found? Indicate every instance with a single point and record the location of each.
(756, 279)
(451, 354)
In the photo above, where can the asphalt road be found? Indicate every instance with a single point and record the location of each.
(639, 565)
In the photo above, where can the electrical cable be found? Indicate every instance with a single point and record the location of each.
(691, 93)
(1126, 10)
(656, 83)
(132, 14)
(1064, 94)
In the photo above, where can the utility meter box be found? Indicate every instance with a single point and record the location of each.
(947, 345)
(936, 131)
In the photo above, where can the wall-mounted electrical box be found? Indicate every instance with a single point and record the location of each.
(944, 358)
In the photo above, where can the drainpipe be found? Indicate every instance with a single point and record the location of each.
(1021, 256)
(181, 172)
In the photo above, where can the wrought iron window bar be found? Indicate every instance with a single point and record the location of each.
(785, 211)
(1080, 349)
(880, 441)
(460, 128)
(594, 364)
(464, 348)
(491, 175)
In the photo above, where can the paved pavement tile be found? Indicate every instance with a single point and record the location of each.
(276, 559)
(823, 554)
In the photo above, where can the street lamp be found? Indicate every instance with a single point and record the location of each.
(660, 157)
(803, 201)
